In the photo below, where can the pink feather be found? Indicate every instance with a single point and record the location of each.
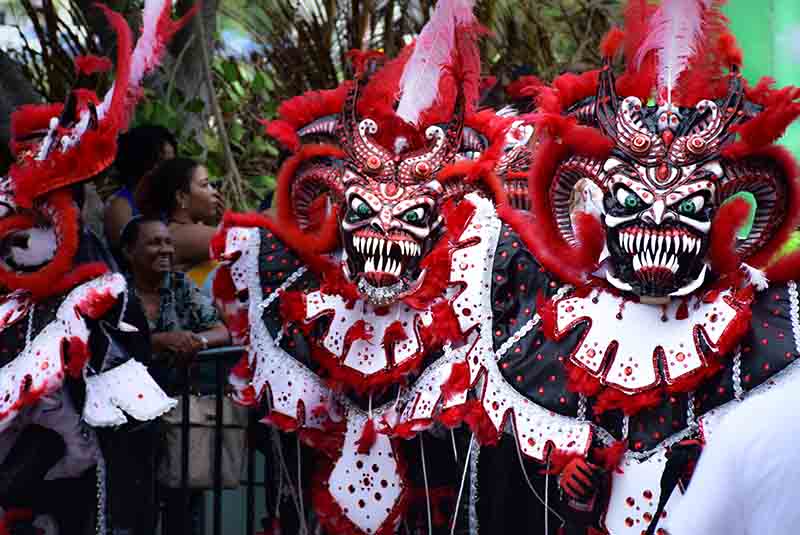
(673, 33)
(157, 29)
(434, 51)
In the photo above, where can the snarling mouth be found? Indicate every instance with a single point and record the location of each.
(657, 262)
(385, 267)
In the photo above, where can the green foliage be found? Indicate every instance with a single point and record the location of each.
(245, 98)
(302, 45)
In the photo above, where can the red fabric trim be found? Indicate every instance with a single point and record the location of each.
(77, 357)
(611, 398)
(341, 375)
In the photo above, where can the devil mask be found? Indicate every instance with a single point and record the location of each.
(660, 188)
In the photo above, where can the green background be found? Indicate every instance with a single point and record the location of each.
(762, 28)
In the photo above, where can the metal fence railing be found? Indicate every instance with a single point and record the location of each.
(223, 359)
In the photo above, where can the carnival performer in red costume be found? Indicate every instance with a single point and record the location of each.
(359, 296)
(661, 208)
(69, 338)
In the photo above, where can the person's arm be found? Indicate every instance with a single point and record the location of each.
(115, 216)
(181, 343)
(217, 336)
(191, 243)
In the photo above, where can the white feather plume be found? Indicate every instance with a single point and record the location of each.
(149, 47)
(433, 51)
(673, 32)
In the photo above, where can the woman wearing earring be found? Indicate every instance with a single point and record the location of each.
(179, 192)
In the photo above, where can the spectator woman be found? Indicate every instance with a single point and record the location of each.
(140, 150)
(179, 192)
(182, 322)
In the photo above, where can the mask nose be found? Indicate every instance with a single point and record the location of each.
(656, 213)
(382, 221)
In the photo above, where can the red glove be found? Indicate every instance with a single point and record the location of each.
(577, 479)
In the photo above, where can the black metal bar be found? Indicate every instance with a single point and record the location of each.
(218, 421)
(251, 476)
(185, 429)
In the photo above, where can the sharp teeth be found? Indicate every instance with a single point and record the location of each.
(623, 242)
(370, 241)
(674, 266)
(389, 267)
(416, 249)
(660, 242)
(667, 243)
(677, 243)
(646, 240)
(356, 244)
(638, 241)
(637, 264)
(397, 269)
(379, 267)
(403, 248)
(699, 244)
(369, 265)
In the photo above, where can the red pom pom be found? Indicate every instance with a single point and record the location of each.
(610, 457)
(96, 304)
(90, 64)
(458, 382)
(367, 439)
(77, 356)
(727, 222)
(612, 41)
